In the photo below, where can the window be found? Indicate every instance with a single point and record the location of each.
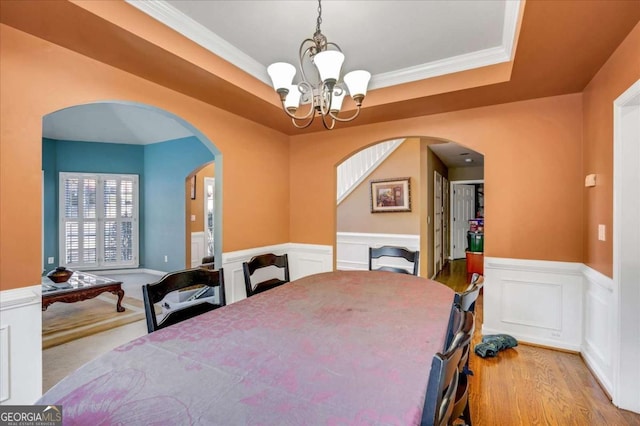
(98, 220)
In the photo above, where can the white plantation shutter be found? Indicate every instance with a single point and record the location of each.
(98, 220)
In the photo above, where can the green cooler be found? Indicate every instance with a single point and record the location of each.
(475, 241)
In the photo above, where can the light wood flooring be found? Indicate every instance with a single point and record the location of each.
(530, 385)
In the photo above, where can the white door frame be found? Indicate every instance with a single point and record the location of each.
(626, 248)
(451, 199)
(208, 180)
(438, 219)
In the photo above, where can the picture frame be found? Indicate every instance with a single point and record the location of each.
(193, 187)
(391, 195)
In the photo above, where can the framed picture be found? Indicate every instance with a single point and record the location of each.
(391, 195)
(193, 187)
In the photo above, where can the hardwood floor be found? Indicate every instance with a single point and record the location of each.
(530, 385)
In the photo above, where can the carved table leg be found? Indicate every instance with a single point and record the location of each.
(120, 294)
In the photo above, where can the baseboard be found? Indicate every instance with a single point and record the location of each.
(130, 271)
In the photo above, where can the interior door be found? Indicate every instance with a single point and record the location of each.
(463, 211)
(437, 223)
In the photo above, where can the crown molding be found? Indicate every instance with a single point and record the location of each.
(198, 33)
(176, 20)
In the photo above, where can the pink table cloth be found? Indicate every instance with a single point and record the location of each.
(338, 348)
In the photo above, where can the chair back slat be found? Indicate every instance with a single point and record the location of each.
(398, 252)
(180, 280)
(264, 261)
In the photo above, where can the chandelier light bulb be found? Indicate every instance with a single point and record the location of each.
(281, 74)
(325, 96)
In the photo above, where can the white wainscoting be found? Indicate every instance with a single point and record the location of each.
(599, 326)
(198, 248)
(304, 259)
(20, 346)
(352, 249)
(534, 301)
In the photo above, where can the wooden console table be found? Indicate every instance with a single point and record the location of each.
(80, 286)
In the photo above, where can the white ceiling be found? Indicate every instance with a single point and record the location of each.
(396, 40)
(454, 155)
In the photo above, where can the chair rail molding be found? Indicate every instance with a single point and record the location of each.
(21, 345)
(535, 301)
(352, 249)
(304, 259)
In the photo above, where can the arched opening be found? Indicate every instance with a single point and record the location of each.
(200, 213)
(136, 139)
(434, 167)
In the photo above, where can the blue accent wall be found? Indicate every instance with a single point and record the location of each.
(162, 169)
(167, 165)
(85, 157)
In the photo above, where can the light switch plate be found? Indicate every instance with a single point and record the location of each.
(193, 218)
(601, 232)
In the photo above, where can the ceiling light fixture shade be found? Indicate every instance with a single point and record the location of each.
(326, 93)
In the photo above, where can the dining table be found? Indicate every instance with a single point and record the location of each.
(335, 348)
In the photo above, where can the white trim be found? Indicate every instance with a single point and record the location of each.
(198, 250)
(535, 301)
(178, 21)
(21, 345)
(198, 33)
(130, 271)
(392, 146)
(304, 259)
(352, 249)
(99, 220)
(599, 316)
(19, 297)
(467, 61)
(626, 340)
(5, 364)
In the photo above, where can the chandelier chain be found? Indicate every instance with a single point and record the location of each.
(319, 21)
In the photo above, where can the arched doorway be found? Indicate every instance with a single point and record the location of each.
(432, 165)
(152, 143)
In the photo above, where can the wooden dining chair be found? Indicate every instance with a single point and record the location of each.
(456, 317)
(264, 261)
(463, 339)
(199, 280)
(208, 262)
(467, 299)
(441, 387)
(398, 252)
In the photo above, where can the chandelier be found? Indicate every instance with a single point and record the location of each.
(324, 97)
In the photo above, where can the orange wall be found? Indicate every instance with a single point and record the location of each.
(533, 173)
(618, 74)
(196, 207)
(354, 213)
(38, 77)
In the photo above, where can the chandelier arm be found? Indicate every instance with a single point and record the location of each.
(324, 122)
(335, 45)
(326, 98)
(295, 117)
(344, 120)
(302, 54)
(305, 125)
